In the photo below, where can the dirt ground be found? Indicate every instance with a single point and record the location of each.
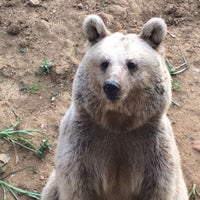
(51, 31)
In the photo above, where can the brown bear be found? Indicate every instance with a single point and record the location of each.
(115, 141)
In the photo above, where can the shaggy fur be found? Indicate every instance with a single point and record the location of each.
(123, 149)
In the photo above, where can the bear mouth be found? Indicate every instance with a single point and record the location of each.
(113, 99)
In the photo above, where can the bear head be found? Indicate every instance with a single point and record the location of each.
(122, 81)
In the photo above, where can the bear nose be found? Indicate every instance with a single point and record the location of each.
(111, 89)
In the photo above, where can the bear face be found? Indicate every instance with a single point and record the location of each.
(122, 81)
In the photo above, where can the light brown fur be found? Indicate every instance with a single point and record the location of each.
(123, 149)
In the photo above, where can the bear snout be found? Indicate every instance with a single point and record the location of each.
(111, 89)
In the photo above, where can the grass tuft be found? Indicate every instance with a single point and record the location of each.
(177, 70)
(44, 68)
(31, 89)
(14, 191)
(21, 137)
(193, 195)
(175, 85)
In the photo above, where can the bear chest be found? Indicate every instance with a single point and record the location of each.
(118, 167)
(124, 166)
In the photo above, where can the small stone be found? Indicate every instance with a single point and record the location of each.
(191, 138)
(52, 99)
(42, 178)
(59, 72)
(14, 29)
(80, 6)
(173, 122)
(34, 2)
(170, 9)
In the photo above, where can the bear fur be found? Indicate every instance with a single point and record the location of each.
(121, 147)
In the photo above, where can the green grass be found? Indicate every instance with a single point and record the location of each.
(44, 68)
(180, 69)
(14, 191)
(193, 194)
(177, 70)
(76, 51)
(31, 89)
(175, 85)
(21, 138)
(22, 50)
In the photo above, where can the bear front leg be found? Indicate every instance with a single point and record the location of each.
(181, 192)
(159, 183)
(50, 191)
(163, 188)
(76, 185)
(76, 191)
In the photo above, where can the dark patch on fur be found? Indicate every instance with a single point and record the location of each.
(159, 89)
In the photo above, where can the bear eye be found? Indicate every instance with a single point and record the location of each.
(132, 66)
(104, 65)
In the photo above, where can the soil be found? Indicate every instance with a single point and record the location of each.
(51, 30)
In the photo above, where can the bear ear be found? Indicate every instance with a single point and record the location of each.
(154, 32)
(94, 28)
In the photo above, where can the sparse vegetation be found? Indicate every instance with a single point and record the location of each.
(21, 138)
(180, 69)
(76, 51)
(22, 50)
(14, 191)
(193, 194)
(44, 68)
(177, 70)
(31, 89)
(175, 85)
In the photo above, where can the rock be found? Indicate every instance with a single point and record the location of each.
(170, 9)
(14, 29)
(7, 71)
(80, 6)
(58, 72)
(53, 99)
(34, 2)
